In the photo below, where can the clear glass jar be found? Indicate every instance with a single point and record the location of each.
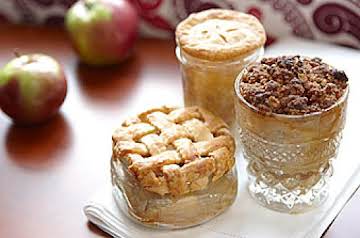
(289, 156)
(209, 84)
(168, 212)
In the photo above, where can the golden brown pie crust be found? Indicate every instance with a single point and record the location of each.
(175, 150)
(220, 34)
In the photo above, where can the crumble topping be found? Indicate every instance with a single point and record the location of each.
(292, 85)
(220, 34)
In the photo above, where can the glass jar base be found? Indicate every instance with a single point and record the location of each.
(121, 203)
(280, 199)
(168, 212)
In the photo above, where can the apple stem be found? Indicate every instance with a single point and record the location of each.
(17, 54)
(89, 4)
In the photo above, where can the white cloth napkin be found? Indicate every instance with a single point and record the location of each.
(245, 218)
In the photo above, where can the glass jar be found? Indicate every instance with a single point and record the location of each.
(289, 156)
(169, 212)
(213, 47)
(209, 84)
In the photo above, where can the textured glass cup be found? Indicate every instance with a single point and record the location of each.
(170, 212)
(289, 156)
(209, 84)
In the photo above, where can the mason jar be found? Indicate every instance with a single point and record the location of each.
(173, 167)
(213, 47)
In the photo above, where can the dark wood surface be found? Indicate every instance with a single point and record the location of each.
(48, 172)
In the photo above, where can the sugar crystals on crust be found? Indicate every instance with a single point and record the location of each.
(220, 34)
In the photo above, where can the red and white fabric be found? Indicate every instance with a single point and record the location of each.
(336, 21)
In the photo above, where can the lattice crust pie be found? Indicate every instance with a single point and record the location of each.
(174, 150)
(220, 34)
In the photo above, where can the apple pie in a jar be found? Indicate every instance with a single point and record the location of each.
(291, 113)
(173, 167)
(213, 47)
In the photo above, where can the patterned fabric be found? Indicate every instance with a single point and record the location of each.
(337, 21)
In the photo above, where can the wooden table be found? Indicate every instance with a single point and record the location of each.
(48, 172)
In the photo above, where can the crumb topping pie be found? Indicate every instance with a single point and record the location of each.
(220, 34)
(174, 150)
(291, 111)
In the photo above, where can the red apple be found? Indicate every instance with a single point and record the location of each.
(102, 32)
(32, 88)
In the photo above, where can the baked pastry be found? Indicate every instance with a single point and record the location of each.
(291, 112)
(168, 155)
(213, 47)
(220, 35)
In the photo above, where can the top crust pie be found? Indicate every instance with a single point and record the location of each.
(220, 34)
(174, 150)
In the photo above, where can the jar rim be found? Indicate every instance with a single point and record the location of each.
(248, 58)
